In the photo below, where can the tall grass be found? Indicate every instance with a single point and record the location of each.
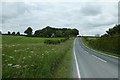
(27, 57)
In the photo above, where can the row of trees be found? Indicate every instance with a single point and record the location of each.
(13, 33)
(52, 32)
(0, 32)
(115, 31)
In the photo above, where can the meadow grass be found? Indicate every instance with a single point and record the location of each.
(24, 40)
(27, 57)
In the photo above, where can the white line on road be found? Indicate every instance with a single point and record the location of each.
(99, 58)
(86, 51)
(78, 71)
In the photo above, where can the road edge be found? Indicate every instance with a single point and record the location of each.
(76, 62)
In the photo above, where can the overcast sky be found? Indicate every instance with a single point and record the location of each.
(89, 17)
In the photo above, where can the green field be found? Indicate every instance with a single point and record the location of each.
(29, 57)
(108, 45)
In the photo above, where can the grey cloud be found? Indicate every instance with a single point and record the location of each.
(89, 18)
(12, 10)
(91, 9)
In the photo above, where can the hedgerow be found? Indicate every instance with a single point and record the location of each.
(109, 44)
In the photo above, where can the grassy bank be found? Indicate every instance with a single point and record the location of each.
(27, 57)
(108, 45)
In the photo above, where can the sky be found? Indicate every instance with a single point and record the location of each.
(90, 17)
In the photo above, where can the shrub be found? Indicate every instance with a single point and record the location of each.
(65, 39)
(52, 41)
(55, 41)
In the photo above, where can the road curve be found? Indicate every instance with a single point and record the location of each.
(91, 64)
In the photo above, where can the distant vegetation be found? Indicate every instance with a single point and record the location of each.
(108, 42)
(115, 31)
(56, 32)
(12, 33)
(28, 31)
(48, 32)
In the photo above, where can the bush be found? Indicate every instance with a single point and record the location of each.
(52, 41)
(55, 41)
(65, 39)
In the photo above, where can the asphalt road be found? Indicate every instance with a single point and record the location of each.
(88, 63)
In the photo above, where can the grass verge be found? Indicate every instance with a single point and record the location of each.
(64, 70)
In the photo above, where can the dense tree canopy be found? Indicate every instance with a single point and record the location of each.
(49, 32)
(115, 31)
(8, 32)
(18, 33)
(28, 31)
(56, 32)
(13, 33)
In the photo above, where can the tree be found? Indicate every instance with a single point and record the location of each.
(105, 35)
(75, 32)
(56, 32)
(68, 33)
(28, 31)
(38, 33)
(13, 33)
(0, 32)
(18, 33)
(48, 31)
(59, 33)
(8, 32)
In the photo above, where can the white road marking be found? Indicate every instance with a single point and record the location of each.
(78, 71)
(99, 58)
(86, 51)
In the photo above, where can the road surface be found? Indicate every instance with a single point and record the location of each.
(88, 63)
